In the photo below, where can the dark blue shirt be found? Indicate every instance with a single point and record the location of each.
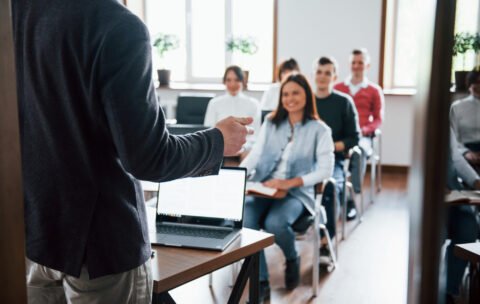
(338, 111)
(90, 125)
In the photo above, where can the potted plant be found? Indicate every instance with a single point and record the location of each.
(246, 46)
(463, 42)
(476, 49)
(164, 43)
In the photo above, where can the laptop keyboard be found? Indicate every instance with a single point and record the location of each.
(195, 232)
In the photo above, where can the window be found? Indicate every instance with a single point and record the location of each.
(466, 20)
(400, 64)
(203, 27)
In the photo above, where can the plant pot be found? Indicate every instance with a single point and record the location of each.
(164, 77)
(461, 81)
(245, 79)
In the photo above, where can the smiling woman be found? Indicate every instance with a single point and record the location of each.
(293, 152)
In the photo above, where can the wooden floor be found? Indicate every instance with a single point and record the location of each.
(372, 265)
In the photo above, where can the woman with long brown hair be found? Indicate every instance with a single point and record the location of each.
(293, 152)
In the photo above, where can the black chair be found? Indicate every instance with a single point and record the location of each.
(301, 226)
(264, 113)
(354, 154)
(376, 164)
(317, 222)
(191, 108)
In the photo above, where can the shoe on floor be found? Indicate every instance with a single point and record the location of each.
(292, 273)
(351, 210)
(325, 256)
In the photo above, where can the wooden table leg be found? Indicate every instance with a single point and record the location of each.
(254, 288)
(162, 298)
(250, 270)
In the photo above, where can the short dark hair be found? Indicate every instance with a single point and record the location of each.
(363, 52)
(310, 110)
(473, 76)
(328, 60)
(287, 65)
(238, 72)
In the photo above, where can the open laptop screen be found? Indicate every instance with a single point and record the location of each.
(216, 197)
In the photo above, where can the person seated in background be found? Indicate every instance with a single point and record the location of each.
(293, 152)
(462, 225)
(271, 96)
(369, 102)
(234, 103)
(465, 121)
(338, 111)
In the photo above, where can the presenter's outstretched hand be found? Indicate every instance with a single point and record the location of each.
(234, 131)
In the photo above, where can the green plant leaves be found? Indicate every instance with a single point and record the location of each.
(244, 45)
(164, 43)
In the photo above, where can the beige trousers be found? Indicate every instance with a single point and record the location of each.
(45, 285)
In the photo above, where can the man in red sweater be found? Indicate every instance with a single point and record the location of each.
(368, 96)
(369, 101)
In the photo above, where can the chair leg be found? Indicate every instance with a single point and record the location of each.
(373, 170)
(344, 209)
(335, 213)
(210, 279)
(316, 258)
(379, 167)
(333, 253)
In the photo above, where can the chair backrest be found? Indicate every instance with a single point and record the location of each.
(307, 219)
(191, 108)
(264, 113)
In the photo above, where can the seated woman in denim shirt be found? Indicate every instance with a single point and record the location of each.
(294, 151)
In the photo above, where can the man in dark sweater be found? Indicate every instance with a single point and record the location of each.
(90, 125)
(338, 111)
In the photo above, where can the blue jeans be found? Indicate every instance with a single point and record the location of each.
(462, 228)
(328, 199)
(276, 217)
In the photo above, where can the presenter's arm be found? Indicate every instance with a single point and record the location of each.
(123, 71)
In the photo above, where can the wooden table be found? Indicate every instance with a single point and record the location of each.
(173, 267)
(471, 253)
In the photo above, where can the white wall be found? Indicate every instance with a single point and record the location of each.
(308, 29)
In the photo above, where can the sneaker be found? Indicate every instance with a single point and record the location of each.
(292, 273)
(351, 210)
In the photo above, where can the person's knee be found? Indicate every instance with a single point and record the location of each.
(251, 219)
(277, 226)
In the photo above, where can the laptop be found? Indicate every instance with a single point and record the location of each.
(201, 212)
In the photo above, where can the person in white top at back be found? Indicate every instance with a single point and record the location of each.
(271, 96)
(234, 103)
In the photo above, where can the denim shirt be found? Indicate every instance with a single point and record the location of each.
(311, 157)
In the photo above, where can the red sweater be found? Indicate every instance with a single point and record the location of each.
(369, 103)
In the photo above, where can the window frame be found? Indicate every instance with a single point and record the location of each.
(189, 78)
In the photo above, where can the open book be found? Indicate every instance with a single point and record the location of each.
(258, 188)
(463, 197)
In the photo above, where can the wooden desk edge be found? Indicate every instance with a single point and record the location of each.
(200, 270)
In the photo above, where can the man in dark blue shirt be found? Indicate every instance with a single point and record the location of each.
(338, 111)
(90, 126)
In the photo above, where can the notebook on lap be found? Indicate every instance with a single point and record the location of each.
(201, 212)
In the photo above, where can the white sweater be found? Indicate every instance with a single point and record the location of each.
(271, 97)
(240, 105)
